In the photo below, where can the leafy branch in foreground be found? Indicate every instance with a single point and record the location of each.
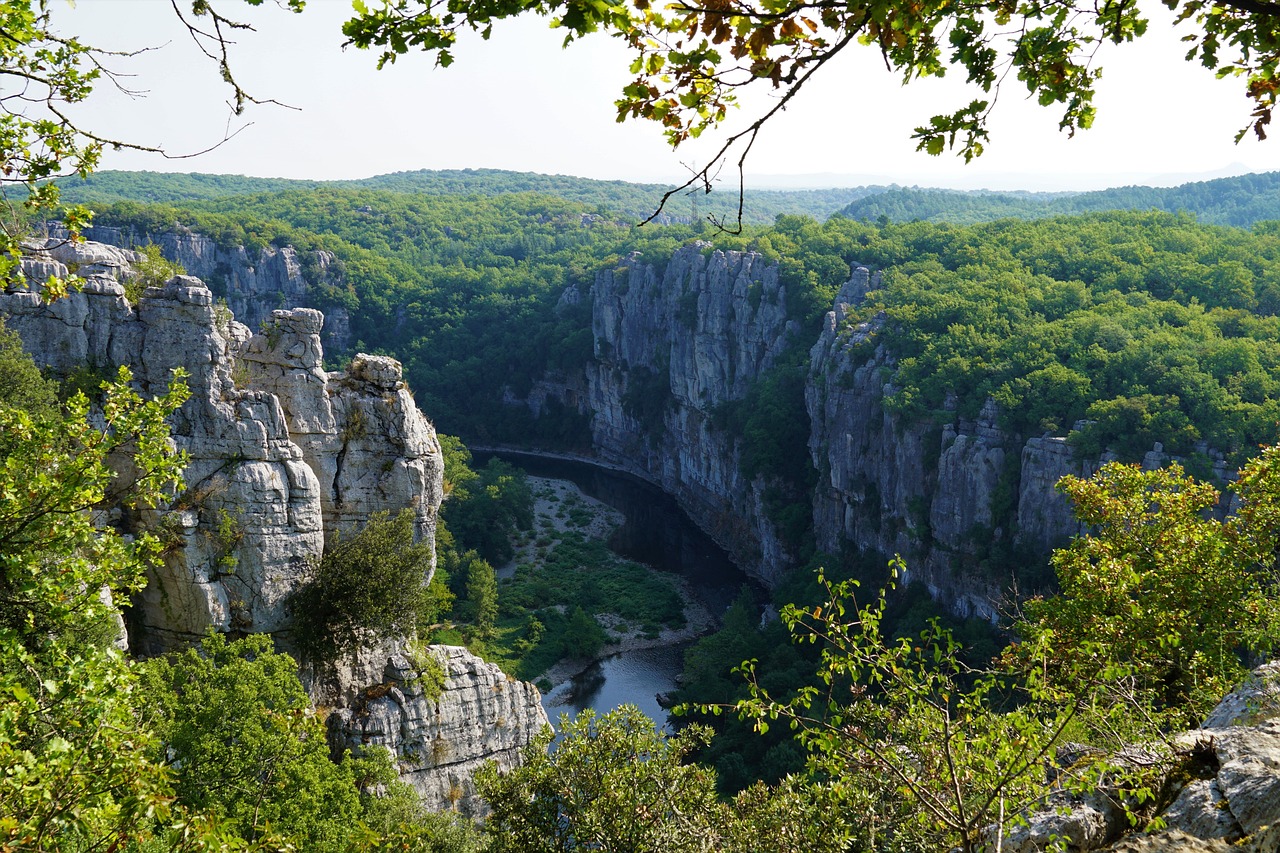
(691, 60)
(614, 782)
(1161, 588)
(932, 752)
(75, 772)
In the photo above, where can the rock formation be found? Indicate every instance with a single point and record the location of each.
(480, 714)
(1222, 793)
(253, 282)
(281, 456)
(671, 345)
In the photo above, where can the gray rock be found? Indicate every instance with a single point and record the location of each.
(281, 457)
(479, 715)
(1255, 700)
(697, 334)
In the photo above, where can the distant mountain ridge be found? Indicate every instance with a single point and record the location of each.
(1240, 201)
(619, 197)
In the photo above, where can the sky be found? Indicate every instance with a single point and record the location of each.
(521, 102)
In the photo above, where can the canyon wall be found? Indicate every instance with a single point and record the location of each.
(962, 501)
(282, 456)
(670, 346)
(252, 282)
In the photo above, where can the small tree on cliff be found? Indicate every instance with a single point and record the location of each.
(372, 581)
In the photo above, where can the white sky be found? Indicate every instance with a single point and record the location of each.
(520, 102)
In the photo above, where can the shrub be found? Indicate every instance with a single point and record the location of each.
(372, 581)
(152, 270)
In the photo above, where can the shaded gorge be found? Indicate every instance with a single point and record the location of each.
(658, 533)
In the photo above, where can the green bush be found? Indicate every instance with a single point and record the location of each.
(152, 270)
(372, 581)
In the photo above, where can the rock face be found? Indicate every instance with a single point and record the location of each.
(932, 494)
(1222, 794)
(671, 345)
(253, 283)
(480, 714)
(282, 456)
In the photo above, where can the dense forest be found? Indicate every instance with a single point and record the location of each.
(1240, 201)
(1149, 326)
(632, 201)
(1116, 329)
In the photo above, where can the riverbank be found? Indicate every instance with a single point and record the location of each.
(561, 507)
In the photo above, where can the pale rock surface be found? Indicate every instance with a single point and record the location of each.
(1230, 802)
(480, 715)
(281, 456)
(254, 283)
(360, 432)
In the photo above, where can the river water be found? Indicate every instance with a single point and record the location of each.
(659, 534)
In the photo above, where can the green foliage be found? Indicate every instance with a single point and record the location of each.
(373, 581)
(928, 752)
(1159, 589)
(688, 66)
(486, 508)
(621, 198)
(237, 727)
(482, 594)
(37, 138)
(647, 398)
(615, 783)
(1241, 201)
(24, 387)
(151, 270)
(431, 672)
(53, 471)
(76, 771)
(1121, 317)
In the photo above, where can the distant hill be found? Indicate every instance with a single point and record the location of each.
(636, 201)
(169, 187)
(1239, 201)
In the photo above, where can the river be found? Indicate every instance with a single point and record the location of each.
(655, 532)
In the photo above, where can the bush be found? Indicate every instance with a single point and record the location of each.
(153, 270)
(374, 581)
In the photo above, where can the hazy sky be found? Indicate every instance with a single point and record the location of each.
(520, 102)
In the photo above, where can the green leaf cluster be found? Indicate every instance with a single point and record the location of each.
(371, 583)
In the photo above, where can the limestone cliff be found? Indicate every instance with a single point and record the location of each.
(480, 714)
(282, 456)
(945, 497)
(928, 493)
(253, 282)
(670, 345)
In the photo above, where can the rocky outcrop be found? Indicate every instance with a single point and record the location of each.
(1221, 789)
(444, 733)
(253, 282)
(281, 457)
(359, 431)
(670, 346)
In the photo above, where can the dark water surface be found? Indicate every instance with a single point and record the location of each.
(659, 534)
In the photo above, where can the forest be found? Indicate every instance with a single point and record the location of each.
(1112, 328)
